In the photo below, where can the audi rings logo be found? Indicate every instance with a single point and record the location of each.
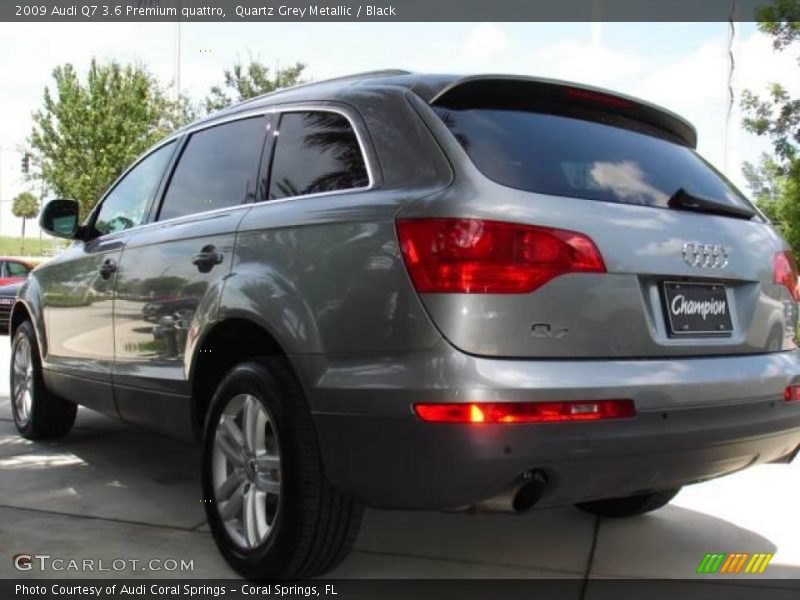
(709, 256)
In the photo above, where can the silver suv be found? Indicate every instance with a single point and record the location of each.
(420, 292)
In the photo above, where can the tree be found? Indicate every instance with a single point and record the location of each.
(775, 182)
(776, 194)
(767, 183)
(25, 206)
(781, 20)
(244, 82)
(87, 132)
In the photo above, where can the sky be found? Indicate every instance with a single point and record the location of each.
(680, 66)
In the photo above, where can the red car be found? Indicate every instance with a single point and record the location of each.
(13, 270)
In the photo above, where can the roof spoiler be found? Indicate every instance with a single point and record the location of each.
(525, 92)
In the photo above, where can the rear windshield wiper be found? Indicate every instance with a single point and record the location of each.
(683, 200)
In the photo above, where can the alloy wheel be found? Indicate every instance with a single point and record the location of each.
(246, 471)
(22, 384)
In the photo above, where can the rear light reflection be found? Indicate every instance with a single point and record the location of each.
(792, 393)
(472, 256)
(525, 412)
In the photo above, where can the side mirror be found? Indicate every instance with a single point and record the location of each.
(60, 218)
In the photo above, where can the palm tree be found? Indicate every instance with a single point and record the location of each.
(25, 206)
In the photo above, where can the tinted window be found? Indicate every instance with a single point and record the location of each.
(565, 156)
(214, 168)
(15, 269)
(316, 152)
(124, 206)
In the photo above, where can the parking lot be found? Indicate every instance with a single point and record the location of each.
(112, 491)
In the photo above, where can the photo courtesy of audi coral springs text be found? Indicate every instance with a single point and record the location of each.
(413, 291)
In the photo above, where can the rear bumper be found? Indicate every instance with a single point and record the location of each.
(696, 419)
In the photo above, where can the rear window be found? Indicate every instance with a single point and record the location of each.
(565, 156)
(316, 152)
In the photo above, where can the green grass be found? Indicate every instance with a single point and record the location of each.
(11, 245)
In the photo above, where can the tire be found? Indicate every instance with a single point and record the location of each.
(38, 414)
(629, 506)
(311, 526)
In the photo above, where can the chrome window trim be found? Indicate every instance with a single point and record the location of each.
(274, 110)
(295, 108)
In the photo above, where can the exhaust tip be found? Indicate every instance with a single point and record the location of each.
(529, 493)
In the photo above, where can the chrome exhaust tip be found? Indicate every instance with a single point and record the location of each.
(519, 497)
(529, 493)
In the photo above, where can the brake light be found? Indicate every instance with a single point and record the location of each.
(471, 256)
(785, 273)
(598, 97)
(792, 393)
(525, 412)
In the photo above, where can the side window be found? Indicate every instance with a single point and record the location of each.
(15, 269)
(316, 152)
(124, 206)
(215, 168)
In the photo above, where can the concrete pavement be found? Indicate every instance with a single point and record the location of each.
(112, 491)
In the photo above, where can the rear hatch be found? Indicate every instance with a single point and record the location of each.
(584, 224)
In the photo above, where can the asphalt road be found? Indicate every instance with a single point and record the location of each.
(112, 491)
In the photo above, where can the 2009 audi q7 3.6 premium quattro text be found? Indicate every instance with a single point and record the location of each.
(420, 292)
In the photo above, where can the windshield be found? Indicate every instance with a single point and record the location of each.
(565, 156)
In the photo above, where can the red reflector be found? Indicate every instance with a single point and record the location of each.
(525, 412)
(470, 256)
(792, 393)
(785, 273)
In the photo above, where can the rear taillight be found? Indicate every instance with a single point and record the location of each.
(525, 412)
(792, 393)
(471, 256)
(785, 273)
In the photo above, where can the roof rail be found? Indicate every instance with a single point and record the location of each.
(343, 78)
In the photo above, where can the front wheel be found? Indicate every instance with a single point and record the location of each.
(630, 505)
(270, 508)
(38, 414)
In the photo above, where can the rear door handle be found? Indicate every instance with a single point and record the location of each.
(108, 268)
(207, 259)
